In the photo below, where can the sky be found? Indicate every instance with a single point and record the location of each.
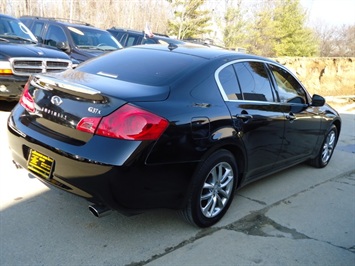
(332, 12)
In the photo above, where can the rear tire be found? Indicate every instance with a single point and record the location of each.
(213, 188)
(327, 149)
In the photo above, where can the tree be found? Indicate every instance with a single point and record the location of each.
(189, 20)
(292, 38)
(279, 29)
(101, 14)
(234, 34)
(261, 30)
(335, 40)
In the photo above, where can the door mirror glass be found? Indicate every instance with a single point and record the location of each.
(317, 100)
(64, 46)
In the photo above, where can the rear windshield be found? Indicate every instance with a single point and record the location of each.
(142, 66)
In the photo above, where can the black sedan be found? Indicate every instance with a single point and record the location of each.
(176, 127)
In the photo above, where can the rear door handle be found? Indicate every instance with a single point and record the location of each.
(245, 117)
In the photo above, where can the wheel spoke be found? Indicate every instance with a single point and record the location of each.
(224, 193)
(225, 175)
(331, 141)
(223, 201)
(227, 182)
(214, 175)
(206, 196)
(207, 186)
(207, 210)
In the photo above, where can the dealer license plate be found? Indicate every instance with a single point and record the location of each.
(40, 164)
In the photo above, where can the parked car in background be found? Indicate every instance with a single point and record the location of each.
(21, 56)
(206, 42)
(132, 37)
(79, 40)
(184, 135)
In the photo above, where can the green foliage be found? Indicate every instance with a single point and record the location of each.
(261, 32)
(277, 28)
(189, 21)
(291, 36)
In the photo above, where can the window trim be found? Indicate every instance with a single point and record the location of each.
(275, 84)
(270, 74)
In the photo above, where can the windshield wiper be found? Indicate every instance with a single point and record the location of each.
(4, 40)
(91, 47)
(14, 37)
(86, 46)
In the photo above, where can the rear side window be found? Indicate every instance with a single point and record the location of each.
(229, 82)
(142, 66)
(254, 81)
(133, 40)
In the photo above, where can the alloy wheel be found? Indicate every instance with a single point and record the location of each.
(216, 190)
(328, 147)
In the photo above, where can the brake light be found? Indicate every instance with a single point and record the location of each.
(26, 100)
(127, 122)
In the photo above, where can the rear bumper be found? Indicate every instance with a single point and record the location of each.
(129, 187)
(11, 87)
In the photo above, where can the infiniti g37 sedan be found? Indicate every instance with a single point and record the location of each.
(177, 127)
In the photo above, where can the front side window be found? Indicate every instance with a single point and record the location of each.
(54, 35)
(288, 88)
(254, 81)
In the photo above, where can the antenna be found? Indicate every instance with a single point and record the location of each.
(172, 46)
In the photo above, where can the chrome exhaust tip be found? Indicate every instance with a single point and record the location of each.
(99, 210)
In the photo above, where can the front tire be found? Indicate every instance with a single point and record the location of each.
(213, 188)
(327, 148)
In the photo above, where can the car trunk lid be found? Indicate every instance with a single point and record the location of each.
(57, 103)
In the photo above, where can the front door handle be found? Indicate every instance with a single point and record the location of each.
(290, 117)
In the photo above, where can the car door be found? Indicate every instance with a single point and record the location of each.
(303, 122)
(257, 117)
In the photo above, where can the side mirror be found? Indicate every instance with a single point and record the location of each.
(39, 39)
(317, 100)
(64, 46)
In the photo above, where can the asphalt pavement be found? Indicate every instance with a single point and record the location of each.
(300, 216)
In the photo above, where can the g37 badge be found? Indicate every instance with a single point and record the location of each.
(94, 110)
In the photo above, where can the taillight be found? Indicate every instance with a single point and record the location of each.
(88, 124)
(26, 100)
(127, 122)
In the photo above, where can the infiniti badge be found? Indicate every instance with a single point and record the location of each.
(56, 100)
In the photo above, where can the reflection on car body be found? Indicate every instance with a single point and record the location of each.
(182, 136)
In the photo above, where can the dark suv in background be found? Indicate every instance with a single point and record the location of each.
(79, 40)
(132, 37)
(21, 56)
